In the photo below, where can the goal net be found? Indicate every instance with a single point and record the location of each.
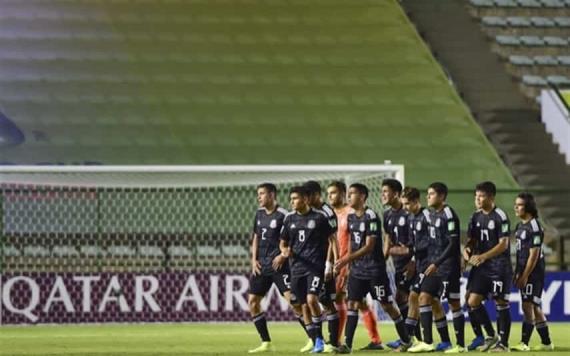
(151, 243)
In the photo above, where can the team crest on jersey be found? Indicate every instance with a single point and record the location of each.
(311, 224)
(491, 225)
(478, 224)
(273, 224)
(523, 235)
(258, 222)
(438, 222)
(361, 227)
(402, 221)
(293, 226)
(419, 225)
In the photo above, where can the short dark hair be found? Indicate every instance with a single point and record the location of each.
(440, 188)
(361, 188)
(393, 184)
(487, 187)
(312, 187)
(270, 187)
(338, 185)
(529, 203)
(411, 193)
(299, 189)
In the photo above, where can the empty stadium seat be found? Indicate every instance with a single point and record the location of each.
(562, 21)
(91, 251)
(533, 4)
(235, 250)
(533, 41)
(179, 251)
(36, 251)
(521, 60)
(64, 251)
(508, 40)
(555, 41)
(506, 3)
(534, 80)
(558, 80)
(150, 251)
(11, 251)
(121, 250)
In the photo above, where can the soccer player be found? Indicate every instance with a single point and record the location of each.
(444, 271)
(529, 272)
(305, 238)
(367, 267)
(418, 222)
(328, 294)
(266, 266)
(396, 237)
(336, 194)
(488, 234)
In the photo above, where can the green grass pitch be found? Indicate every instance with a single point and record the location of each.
(194, 339)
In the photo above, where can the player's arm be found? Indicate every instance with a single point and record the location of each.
(387, 245)
(363, 251)
(255, 265)
(471, 241)
(284, 247)
(499, 248)
(453, 236)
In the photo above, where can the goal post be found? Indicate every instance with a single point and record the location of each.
(140, 243)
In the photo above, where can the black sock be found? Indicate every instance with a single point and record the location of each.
(441, 325)
(333, 328)
(475, 325)
(302, 322)
(401, 329)
(403, 310)
(311, 331)
(527, 328)
(412, 326)
(318, 322)
(542, 330)
(351, 323)
(504, 326)
(426, 318)
(482, 318)
(261, 325)
(459, 327)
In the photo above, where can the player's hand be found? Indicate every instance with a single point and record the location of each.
(340, 264)
(430, 270)
(476, 260)
(521, 282)
(278, 261)
(255, 267)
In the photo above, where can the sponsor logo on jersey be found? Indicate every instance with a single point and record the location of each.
(311, 224)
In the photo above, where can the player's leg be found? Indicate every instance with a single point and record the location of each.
(380, 290)
(500, 291)
(327, 299)
(315, 286)
(429, 291)
(540, 324)
(371, 324)
(481, 286)
(542, 329)
(283, 282)
(341, 303)
(479, 339)
(527, 326)
(402, 291)
(357, 290)
(441, 325)
(413, 318)
(259, 286)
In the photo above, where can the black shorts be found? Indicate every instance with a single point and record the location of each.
(482, 283)
(402, 283)
(532, 291)
(260, 284)
(327, 294)
(417, 282)
(444, 287)
(379, 289)
(303, 285)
